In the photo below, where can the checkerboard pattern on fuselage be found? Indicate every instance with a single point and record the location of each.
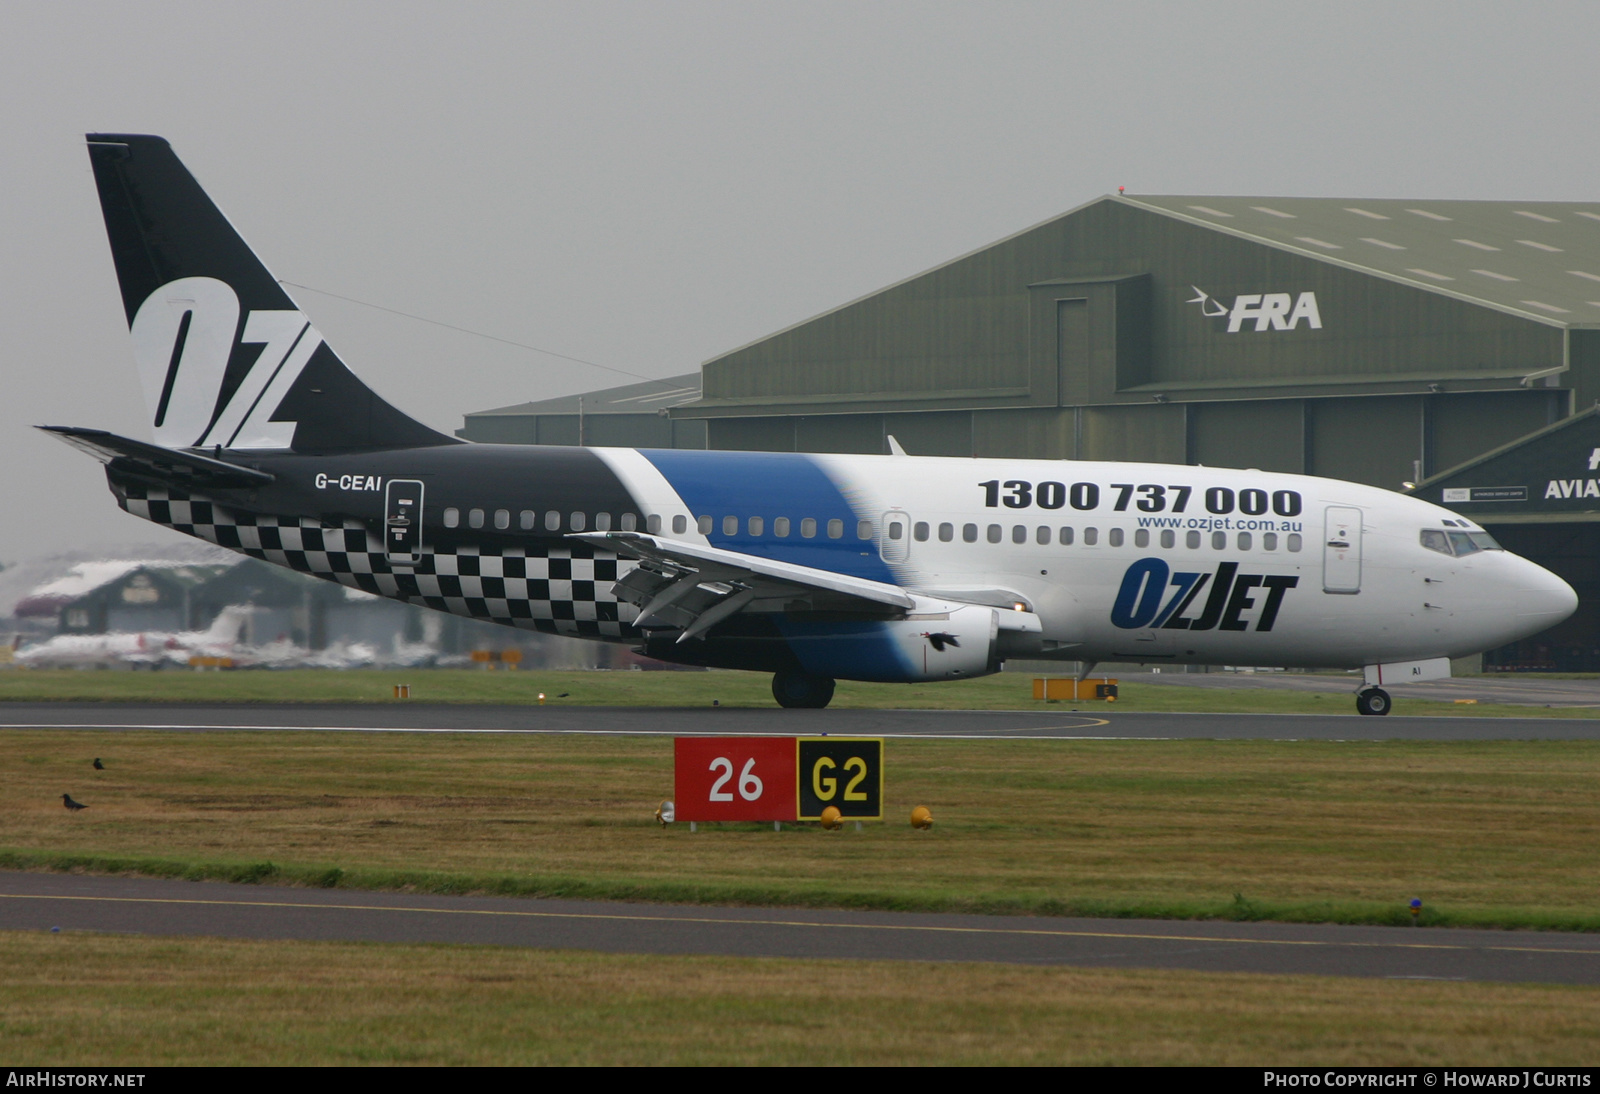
(557, 589)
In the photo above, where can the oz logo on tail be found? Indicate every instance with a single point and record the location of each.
(184, 335)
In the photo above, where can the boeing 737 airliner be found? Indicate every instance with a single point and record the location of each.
(811, 567)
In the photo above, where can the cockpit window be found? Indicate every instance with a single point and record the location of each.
(1435, 540)
(1458, 543)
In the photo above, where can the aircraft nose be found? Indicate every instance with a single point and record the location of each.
(1543, 599)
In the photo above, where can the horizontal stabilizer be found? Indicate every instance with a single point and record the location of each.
(167, 465)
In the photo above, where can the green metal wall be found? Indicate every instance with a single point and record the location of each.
(992, 329)
(599, 430)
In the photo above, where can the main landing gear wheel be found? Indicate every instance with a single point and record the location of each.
(802, 690)
(1373, 701)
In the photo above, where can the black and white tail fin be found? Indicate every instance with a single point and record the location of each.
(225, 357)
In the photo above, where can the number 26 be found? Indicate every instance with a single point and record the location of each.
(750, 786)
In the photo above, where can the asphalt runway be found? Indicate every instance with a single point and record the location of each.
(40, 902)
(1101, 723)
(1516, 689)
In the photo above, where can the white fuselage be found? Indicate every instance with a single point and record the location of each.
(1063, 535)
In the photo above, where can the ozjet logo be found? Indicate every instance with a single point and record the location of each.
(1270, 311)
(1155, 596)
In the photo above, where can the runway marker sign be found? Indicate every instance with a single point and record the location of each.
(777, 778)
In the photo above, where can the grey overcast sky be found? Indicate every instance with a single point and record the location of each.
(647, 185)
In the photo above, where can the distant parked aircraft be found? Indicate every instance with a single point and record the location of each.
(149, 648)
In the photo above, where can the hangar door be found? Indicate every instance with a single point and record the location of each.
(1341, 550)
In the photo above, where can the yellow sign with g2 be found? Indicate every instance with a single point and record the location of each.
(844, 772)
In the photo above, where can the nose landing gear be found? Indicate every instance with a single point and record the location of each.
(1373, 701)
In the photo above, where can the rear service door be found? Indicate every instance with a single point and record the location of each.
(1341, 550)
(402, 521)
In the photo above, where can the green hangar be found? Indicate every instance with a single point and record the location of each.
(1450, 347)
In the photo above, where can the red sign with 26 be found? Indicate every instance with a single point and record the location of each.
(734, 778)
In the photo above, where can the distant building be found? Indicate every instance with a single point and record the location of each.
(631, 416)
(144, 596)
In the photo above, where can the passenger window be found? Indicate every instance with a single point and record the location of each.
(969, 533)
(1219, 541)
(502, 518)
(836, 528)
(630, 521)
(780, 527)
(756, 525)
(1141, 537)
(705, 525)
(1066, 537)
(1091, 536)
(1114, 537)
(1041, 536)
(1294, 541)
(1192, 541)
(475, 518)
(680, 524)
(995, 533)
(579, 521)
(1269, 541)
(1168, 537)
(947, 532)
(652, 523)
(730, 526)
(552, 521)
(1244, 541)
(452, 518)
(919, 531)
(808, 528)
(602, 522)
(863, 529)
(1019, 533)
(896, 530)
(527, 519)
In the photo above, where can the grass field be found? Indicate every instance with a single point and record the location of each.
(1487, 834)
(129, 1002)
(1493, 833)
(1004, 691)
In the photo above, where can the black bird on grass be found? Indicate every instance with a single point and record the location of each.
(66, 800)
(98, 766)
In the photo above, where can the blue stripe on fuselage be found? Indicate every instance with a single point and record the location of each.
(768, 485)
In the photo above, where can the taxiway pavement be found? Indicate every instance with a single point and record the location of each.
(1103, 722)
(39, 902)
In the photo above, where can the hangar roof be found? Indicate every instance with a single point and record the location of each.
(1536, 258)
(647, 397)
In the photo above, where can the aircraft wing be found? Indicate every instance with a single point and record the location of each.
(695, 587)
(171, 465)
